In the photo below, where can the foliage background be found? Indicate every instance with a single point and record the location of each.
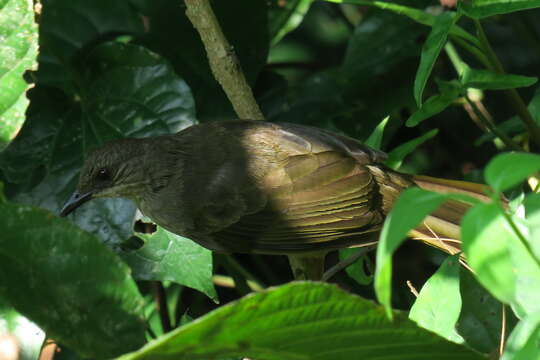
(111, 69)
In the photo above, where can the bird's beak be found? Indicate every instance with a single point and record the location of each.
(74, 202)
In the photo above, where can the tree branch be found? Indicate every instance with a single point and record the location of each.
(222, 60)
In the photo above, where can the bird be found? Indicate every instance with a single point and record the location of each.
(240, 186)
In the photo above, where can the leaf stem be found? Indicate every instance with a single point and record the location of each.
(520, 236)
(512, 94)
(477, 53)
(491, 127)
(161, 304)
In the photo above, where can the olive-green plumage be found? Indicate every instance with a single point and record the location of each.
(247, 186)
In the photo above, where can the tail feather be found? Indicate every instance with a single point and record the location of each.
(441, 228)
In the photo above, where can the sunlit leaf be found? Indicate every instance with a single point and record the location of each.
(396, 156)
(411, 208)
(167, 256)
(431, 50)
(507, 170)
(438, 304)
(301, 321)
(18, 51)
(483, 8)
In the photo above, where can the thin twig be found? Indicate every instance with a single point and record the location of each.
(346, 262)
(161, 306)
(512, 94)
(222, 59)
(412, 288)
(492, 128)
(503, 330)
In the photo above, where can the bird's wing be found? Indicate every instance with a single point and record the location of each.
(319, 197)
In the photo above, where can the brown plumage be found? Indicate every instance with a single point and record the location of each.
(246, 186)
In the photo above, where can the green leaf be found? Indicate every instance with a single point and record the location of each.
(301, 321)
(479, 9)
(532, 215)
(410, 209)
(501, 262)
(357, 269)
(507, 170)
(420, 16)
(523, 341)
(285, 16)
(431, 50)
(167, 256)
(396, 156)
(29, 336)
(380, 42)
(434, 105)
(438, 304)
(480, 320)
(490, 80)
(129, 91)
(375, 139)
(18, 51)
(87, 298)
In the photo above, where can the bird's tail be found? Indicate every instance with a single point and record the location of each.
(441, 228)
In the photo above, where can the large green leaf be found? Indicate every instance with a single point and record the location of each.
(509, 169)
(301, 321)
(167, 256)
(410, 209)
(532, 214)
(483, 8)
(431, 50)
(68, 282)
(62, 44)
(18, 51)
(129, 91)
(285, 16)
(500, 260)
(438, 304)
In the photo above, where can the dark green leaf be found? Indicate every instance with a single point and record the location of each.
(380, 42)
(18, 51)
(420, 16)
(62, 44)
(489, 80)
(431, 50)
(396, 156)
(130, 92)
(167, 256)
(523, 342)
(507, 170)
(434, 105)
(301, 321)
(479, 9)
(480, 319)
(438, 304)
(285, 16)
(68, 282)
(410, 209)
(28, 335)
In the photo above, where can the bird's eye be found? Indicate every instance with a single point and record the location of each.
(103, 174)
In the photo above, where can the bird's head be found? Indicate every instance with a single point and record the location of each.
(114, 170)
